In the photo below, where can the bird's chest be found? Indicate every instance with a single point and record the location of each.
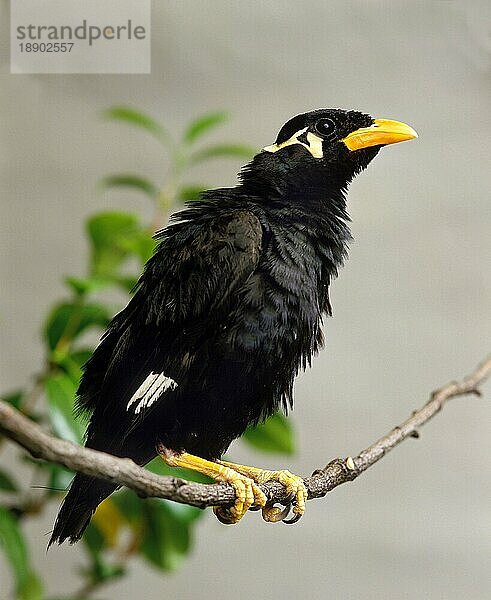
(281, 302)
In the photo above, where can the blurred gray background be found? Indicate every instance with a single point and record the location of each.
(411, 307)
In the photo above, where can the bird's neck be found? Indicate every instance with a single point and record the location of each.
(297, 181)
(313, 197)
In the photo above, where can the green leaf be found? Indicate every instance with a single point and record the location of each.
(81, 356)
(274, 436)
(126, 282)
(109, 228)
(93, 540)
(164, 527)
(31, 589)
(223, 151)
(7, 484)
(141, 244)
(132, 181)
(104, 571)
(114, 236)
(99, 571)
(190, 193)
(14, 398)
(203, 124)
(13, 545)
(28, 586)
(183, 512)
(107, 232)
(130, 505)
(139, 119)
(88, 285)
(71, 368)
(167, 533)
(72, 363)
(60, 393)
(69, 319)
(109, 521)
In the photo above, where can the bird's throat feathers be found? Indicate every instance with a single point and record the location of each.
(297, 182)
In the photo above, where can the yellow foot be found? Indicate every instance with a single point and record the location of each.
(247, 492)
(294, 485)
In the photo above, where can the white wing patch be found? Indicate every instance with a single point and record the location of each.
(150, 390)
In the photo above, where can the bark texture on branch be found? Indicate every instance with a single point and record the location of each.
(125, 472)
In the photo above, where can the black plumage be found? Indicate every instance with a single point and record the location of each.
(227, 310)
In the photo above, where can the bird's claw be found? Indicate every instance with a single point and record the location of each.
(246, 481)
(297, 496)
(296, 517)
(247, 494)
(275, 514)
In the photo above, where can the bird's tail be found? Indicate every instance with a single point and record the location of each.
(85, 495)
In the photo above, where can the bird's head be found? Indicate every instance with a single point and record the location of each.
(331, 144)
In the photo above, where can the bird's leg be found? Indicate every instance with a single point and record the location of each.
(247, 492)
(293, 484)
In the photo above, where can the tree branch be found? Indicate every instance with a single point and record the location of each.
(125, 472)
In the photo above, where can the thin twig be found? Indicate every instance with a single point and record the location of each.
(125, 472)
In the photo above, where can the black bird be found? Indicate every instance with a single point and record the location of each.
(226, 313)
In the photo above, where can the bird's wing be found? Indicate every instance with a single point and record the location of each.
(197, 266)
(187, 286)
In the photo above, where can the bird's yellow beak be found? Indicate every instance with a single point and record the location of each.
(382, 132)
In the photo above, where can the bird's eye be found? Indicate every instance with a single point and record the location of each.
(326, 128)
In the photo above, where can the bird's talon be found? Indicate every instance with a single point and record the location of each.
(223, 515)
(247, 494)
(290, 499)
(275, 514)
(298, 491)
(293, 520)
(295, 492)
